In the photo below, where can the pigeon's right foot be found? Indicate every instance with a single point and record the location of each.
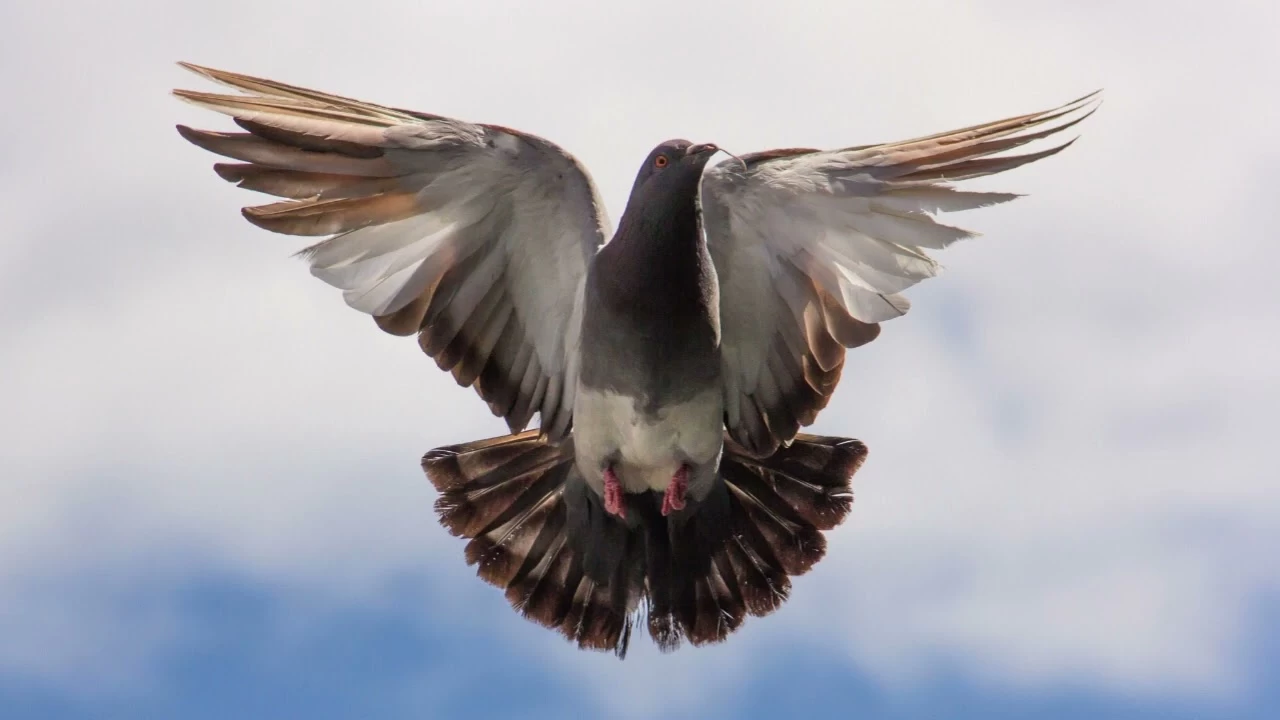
(613, 495)
(673, 500)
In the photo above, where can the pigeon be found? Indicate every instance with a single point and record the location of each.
(672, 362)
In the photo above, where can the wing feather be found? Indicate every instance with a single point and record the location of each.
(839, 235)
(475, 237)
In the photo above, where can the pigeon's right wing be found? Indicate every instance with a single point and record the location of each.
(474, 237)
(812, 249)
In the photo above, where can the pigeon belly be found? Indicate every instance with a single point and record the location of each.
(646, 447)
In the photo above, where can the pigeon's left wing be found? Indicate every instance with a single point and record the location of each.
(474, 237)
(812, 249)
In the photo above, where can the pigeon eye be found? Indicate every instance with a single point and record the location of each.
(660, 161)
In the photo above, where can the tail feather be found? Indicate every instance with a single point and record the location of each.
(502, 549)
(490, 482)
(507, 495)
(764, 586)
(539, 533)
(788, 540)
(812, 478)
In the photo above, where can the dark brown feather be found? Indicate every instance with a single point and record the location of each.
(297, 184)
(472, 465)
(793, 545)
(449, 354)
(407, 320)
(981, 131)
(844, 328)
(698, 576)
(812, 477)
(250, 148)
(309, 142)
(483, 349)
(980, 167)
(827, 352)
(317, 217)
(764, 587)
(805, 359)
(506, 495)
(970, 151)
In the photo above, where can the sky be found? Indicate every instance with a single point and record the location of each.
(210, 499)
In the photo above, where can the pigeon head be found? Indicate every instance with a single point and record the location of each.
(673, 166)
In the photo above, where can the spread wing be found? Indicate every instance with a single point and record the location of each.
(812, 249)
(474, 237)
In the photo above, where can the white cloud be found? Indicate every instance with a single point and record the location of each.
(1070, 476)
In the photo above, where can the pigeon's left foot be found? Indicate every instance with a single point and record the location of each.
(674, 498)
(613, 496)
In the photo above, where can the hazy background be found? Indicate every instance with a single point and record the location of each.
(210, 501)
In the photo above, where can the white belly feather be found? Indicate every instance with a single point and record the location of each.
(651, 448)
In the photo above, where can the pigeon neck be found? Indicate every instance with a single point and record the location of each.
(660, 222)
(658, 249)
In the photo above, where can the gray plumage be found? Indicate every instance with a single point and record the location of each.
(671, 368)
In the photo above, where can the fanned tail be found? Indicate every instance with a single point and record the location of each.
(538, 532)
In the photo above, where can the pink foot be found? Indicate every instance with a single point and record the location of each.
(613, 494)
(673, 499)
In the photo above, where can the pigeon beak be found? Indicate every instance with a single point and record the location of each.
(704, 148)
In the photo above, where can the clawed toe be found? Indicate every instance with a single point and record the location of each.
(673, 499)
(613, 494)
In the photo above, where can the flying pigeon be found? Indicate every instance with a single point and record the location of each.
(672, 362)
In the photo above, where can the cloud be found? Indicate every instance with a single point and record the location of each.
(1070, 477)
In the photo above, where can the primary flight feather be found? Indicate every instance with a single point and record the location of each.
(671, 362)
